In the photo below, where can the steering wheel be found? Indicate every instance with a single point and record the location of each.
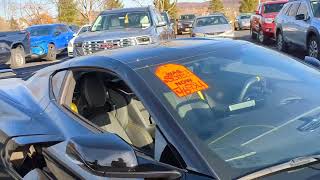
(248, 84)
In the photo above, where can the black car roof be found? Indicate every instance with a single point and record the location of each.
(148, 55)
(124, 10)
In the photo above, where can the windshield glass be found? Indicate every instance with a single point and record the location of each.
(315, 5)
(84, 29)
(139, 19)
(212, 20)
(187, 17)
(250, 106)
(270, 8)
(245, 17)
(40, 31)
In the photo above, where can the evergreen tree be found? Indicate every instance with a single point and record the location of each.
(248, 6)
(216, 6)
(67, 11)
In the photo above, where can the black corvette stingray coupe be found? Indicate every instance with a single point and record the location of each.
(183, 109)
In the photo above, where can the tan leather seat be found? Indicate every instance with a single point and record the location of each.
(99, 109)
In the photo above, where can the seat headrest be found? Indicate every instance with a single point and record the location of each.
(94, 90)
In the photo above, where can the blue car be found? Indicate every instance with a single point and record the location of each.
(188, 109)
(49, 40)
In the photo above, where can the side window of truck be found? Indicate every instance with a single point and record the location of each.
(294, 9)
(303, 9)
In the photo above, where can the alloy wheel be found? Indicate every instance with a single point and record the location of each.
(313, 49)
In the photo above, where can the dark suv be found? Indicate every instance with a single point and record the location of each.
(123, 28)
(298, 24)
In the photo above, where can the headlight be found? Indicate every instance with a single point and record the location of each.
(70, 44)
(268, 20)
(78, 44)
(143, 40)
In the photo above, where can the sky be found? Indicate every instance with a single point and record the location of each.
(127, 3)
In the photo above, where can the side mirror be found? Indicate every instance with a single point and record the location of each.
(301, 17)
(111, 156)
(161, 24)
(57, 33)
(312, 61)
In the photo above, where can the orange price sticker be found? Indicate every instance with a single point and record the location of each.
(180, 79)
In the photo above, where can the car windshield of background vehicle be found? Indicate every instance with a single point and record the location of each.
(257, 104)
(187, 17)
(139, 19)
(212, 20)
(315, 6)
(245, 17)
(40, 31)
(271, 8)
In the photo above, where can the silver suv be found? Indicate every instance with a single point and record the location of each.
(298, 24)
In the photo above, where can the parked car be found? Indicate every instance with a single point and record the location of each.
(122, 28)
(14, 48)
(47, 41)
(141, 112)
(170, 25)
(74, 28)
(298, 25)
(242, 22)
(83, 29)
(262, 24)
(215, 25)
(185, 23)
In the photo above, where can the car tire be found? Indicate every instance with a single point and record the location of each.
(52, 53)
(281, 44)
(253, 34)
(261, 37)
(18, 57)
(313, 47)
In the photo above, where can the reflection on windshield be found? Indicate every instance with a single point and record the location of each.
(187, 17)
(40, 31)
(270, 8)
(213, 20)
(259, 104)
(122, 21)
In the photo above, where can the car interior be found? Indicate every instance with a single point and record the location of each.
(107, 102)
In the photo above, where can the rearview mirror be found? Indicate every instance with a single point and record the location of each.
(161, 24)
(312, 61)
(110, 156)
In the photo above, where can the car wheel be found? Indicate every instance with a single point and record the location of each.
(261, 37)
(18, 57)
(52, 53)
(313, 47)
(253, 35)
(281, 44)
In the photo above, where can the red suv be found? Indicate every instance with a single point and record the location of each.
(262, 24)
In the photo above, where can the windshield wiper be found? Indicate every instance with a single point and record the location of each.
(296, 162)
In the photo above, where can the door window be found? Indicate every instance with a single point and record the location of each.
(303, 9)
(294, 9)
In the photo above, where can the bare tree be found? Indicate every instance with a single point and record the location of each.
(90, 8)
(36, 12)
(161, 5)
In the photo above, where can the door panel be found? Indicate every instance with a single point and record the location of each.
(302, 25)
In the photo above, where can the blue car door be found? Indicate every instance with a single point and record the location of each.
(67, 35)
(58, 37)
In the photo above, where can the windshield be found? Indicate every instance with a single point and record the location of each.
(40, 31)
(250, 106)
(187, 17)
(245, 17)
(212, 20)
(270, 8)
(139, 19)
(315, 5)
(84, 29)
